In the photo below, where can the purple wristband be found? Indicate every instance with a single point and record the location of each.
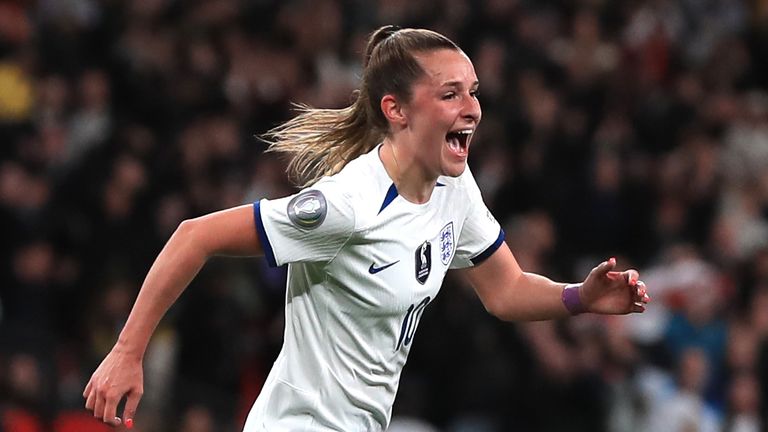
(572, 299)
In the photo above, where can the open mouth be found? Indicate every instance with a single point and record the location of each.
(458, 141)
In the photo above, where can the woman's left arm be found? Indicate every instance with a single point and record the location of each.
(511, 294)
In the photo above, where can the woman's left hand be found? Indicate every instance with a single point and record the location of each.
(606, 291)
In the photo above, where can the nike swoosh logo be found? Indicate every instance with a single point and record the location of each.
(373, 269)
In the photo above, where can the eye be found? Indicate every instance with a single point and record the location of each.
(449, 96)
(474, 93)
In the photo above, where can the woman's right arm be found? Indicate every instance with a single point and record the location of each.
(228, 232)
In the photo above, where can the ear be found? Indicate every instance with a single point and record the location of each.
(393, 110)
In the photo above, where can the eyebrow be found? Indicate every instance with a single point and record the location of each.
(458, 84)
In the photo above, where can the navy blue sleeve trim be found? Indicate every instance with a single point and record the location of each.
(490, 250)
(391, 195)
(265, 244)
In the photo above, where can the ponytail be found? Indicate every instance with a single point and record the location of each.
(320, 142)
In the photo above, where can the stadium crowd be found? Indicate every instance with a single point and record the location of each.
(628, 128)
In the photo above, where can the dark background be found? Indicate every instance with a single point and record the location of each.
(628, 128)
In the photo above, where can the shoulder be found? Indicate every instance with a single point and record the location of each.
(363, 183)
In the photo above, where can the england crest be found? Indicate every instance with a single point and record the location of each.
(447, 244)
(423, 261)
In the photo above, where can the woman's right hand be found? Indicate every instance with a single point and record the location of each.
(119, 375)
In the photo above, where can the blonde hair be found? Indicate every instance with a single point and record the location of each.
(320, 142)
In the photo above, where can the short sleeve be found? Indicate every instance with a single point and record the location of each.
(481, 235)
(310, 226)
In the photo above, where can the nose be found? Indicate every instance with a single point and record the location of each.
(472, 110)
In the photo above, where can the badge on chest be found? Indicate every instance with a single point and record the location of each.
(423, 258)
(447, 244)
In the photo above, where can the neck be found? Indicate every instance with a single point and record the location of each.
(411, 180)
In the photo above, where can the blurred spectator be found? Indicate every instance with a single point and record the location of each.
(743, 405)
(16, 91)
(91, 123)
(685, 409)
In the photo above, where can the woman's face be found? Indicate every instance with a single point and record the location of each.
(443, 113)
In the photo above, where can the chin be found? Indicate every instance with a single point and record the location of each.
(454, 169)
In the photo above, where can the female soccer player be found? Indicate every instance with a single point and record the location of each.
(389, 206)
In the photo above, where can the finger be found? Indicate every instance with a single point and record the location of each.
(638, 307)
(110, 408)
(637, 291)
(91, 401)
(131, 404)
(614, 275)
(98, 409)
(606, 266)
(631, 277)
(87, 390)
(640, 290)
(642, 293)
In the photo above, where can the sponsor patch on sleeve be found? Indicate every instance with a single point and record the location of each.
(308, 209)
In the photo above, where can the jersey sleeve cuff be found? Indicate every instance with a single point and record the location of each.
(490, 249)
(265, 244)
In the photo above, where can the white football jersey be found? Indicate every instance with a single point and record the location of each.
(363, 264)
